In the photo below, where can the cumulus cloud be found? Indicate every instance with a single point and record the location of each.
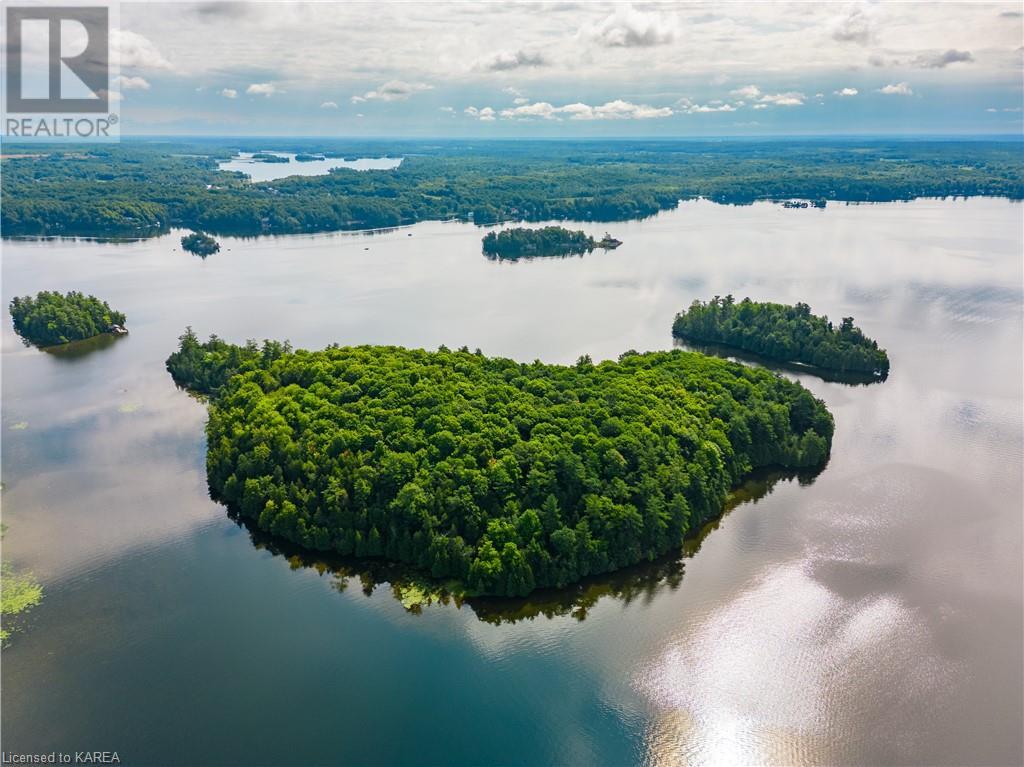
(131, 83)
(486, 114)
(843, 92)
(853, 27)
(503, 61)
(229, 93)
(749, 92)
(788, 99)
(392, 90)
(702, 108)
(329, 105)
(762, 99)
(896, 89)
(135, 51)
(449, 110)
(941, 60)
(611, 110)
(262, 89)
(628, 27)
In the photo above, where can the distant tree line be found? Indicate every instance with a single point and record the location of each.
(500, 475)
(140, 188)
(782, 332)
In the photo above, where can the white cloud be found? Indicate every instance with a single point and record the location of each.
(611, 110)
(747, 92)
(844, 92)
(703, 108)
(261, 89)
(896, 89)
(789, 99)
(628, 27)
(854, 26)
(329, 105)
(392, 90)
(502, 61)
(131, 83)
(229, 93)
(134, 51)
(540, 109)
(486, 114)
(753, 93)
(449, 110)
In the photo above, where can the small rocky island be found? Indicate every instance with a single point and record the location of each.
(200, 244)
(513, 244)
(784, 333)
(51, 318)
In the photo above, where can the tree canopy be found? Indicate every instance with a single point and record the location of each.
(782, 332)
(503, 476)
(51, 318)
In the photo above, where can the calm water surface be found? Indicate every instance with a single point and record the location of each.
(268, 171)
(873, 615)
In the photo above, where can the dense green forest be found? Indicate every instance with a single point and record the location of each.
(782, 332)
(500, 475)
(51, 318)
(143, 187)
(200, 244)
(519, 243)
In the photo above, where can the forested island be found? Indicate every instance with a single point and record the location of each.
(782, 332)
(268, 157)
(304, 157)
(513, 244)
(200, 244)
(497, 476)
(51, 318)
(144, 188)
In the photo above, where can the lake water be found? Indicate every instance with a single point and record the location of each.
(268, 171)
(871, 616)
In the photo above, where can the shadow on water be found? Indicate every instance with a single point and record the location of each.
(757, 360)
(415, 590)
(76, 350)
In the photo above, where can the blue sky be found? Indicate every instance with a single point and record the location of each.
(570, 69)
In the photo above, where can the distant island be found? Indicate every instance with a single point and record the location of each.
(512, 244)
(200, 244)
(782, 332)
(267, 157)
(302, 157)
(489, 475)
(51, 318)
